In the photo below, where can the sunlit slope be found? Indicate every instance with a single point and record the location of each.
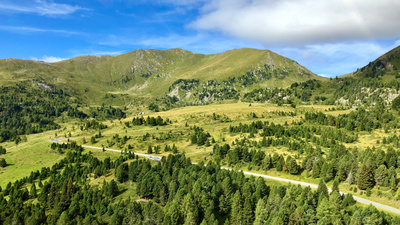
(151, 72)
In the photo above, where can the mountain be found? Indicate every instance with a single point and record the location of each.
(387, 64)
(155, 73)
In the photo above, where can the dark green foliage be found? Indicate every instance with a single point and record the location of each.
(150, 150)
(106, 112)
(93, 124)
(365, 178)
(396, 103)
(166, 182)
(93, 140)
(27, 109)
(3, 150)
(154, 107)
(3, 162)
(292, 166)
(359, 120)
(149, 121)
(199, 137)
(380, 175)
(301, 91)
(322, 190)
(74, 112)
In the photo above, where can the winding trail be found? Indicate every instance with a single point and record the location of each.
(315, 186)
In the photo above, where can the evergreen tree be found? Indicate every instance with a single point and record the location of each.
(380, 175)
(237, 209)
(316, 170)
(2, 150)
(261, 214)
(322, 189)
(150, 150)
(335, 186)
(293, 168)
(112, 188)
(3, 162)
(365, 178)
(248, 216)
(32, 192)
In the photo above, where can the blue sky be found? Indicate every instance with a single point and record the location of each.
(331, 37)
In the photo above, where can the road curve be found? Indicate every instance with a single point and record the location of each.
(358, 199)
(156, 158)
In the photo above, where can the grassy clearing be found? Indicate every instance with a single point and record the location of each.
(36, 153)
(26, 157)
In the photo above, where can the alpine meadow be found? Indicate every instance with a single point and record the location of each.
(164, 135)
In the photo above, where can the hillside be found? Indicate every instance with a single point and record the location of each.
(387, 64)
(189, 165)
(151, 73)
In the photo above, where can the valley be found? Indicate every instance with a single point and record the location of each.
(249, 111)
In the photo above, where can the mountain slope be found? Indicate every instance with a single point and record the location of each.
(150, 73)
(387, 64)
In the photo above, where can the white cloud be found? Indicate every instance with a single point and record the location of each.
(49, 59)
(299, 22)
(40, 7)
(23, 29)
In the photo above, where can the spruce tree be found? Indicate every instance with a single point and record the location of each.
(322, 189)
(33, 193)
(365, 178)
(237, 209)
(261, 214)
(149, 150)
(3, 162)
(380, 175)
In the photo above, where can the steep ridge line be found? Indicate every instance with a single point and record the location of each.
(315, 186)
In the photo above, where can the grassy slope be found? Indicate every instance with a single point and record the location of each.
(387, 64)
(105, 74)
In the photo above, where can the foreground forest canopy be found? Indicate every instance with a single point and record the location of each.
(167, 142)
(173, 191)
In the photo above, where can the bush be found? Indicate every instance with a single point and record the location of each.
(368, 192)
(3, 163)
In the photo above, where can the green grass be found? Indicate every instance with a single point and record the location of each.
(91, 77)
(27, 157)
(36, 153)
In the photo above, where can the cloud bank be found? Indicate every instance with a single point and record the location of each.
(301, 22)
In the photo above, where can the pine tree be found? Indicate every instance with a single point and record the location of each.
(112, 189)
(248, 216)
(322, 189)
(316, 170)
(380, 175)
(356, 219)
(335, 186)
(149, 150)
(293, 168)
(365, 178)
(261, 214)
(3, 162)
(33, 193)
(327, 172)
(237, 211)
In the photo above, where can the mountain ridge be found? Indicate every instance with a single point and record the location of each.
(151, 72)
